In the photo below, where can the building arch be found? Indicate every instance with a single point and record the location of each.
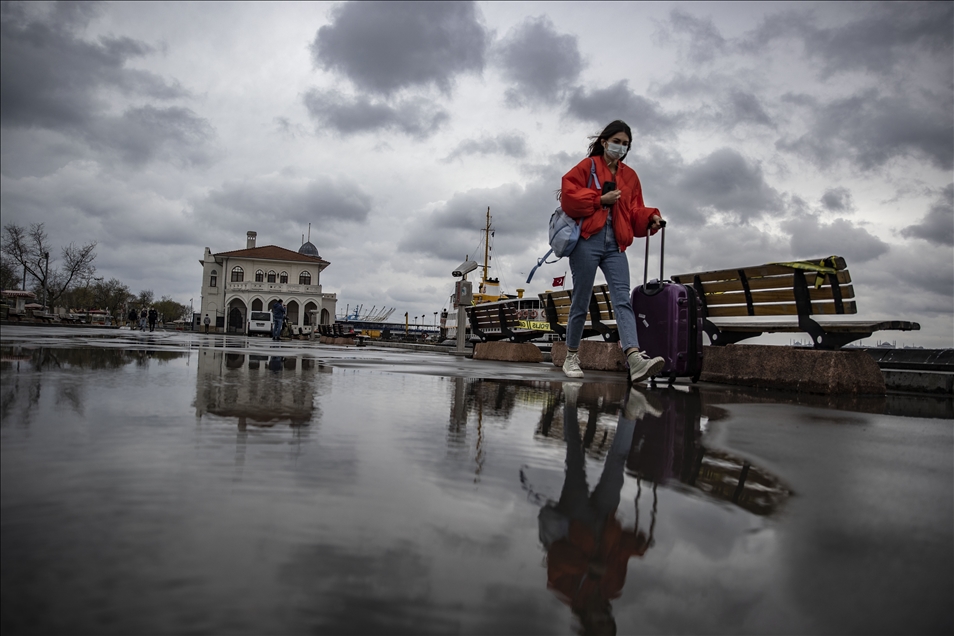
(310, 306)
(236, 315)
(304, 278)
(325, 317)
(271, 276)
(214, 278)
(257, 304)
(259, 276)
(283, 278)
(238, 274)
(291, 312)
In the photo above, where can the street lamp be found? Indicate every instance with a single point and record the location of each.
(46, 275)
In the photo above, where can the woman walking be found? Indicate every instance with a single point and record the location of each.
(611, 213)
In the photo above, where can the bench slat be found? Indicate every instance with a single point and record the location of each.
(780, 310)
(760, 282)
(855, 326)
(776, 296)
(753, 271)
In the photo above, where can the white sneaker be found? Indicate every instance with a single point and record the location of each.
(641, 366)
(571, 390)
(637, 405)
(571, 366)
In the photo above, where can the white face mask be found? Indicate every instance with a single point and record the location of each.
(615, 151)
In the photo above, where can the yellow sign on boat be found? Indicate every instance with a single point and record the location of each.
(534, 325)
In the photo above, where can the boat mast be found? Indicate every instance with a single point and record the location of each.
(487, 245)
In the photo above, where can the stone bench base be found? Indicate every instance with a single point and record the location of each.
(594, 355)
(803, 370)
(336, 341)
(508, 352)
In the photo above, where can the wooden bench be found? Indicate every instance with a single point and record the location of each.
(802, 289)
(499, 321)
(335, 331)
(602, 318)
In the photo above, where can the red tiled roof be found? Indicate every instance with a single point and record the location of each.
(272, 253)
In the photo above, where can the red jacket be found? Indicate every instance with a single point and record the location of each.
(570, 562)
(630, 214)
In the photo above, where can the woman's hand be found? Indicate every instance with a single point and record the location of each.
(610, 198)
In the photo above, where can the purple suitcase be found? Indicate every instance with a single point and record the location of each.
(669, 321)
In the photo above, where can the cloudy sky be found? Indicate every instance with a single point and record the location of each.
(763, 132)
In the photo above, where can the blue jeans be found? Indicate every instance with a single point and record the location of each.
(276, 329)
(600, 250)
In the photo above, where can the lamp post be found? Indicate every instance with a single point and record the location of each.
(46, 274)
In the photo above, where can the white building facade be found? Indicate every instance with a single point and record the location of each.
(241, 281)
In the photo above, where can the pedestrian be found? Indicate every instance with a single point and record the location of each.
(278, 319)
(611, 212)
(206, 322)
(153, 317)
(143, 317)
(132, 317)
(588, 549)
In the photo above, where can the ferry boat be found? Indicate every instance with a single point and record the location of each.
(488, 292)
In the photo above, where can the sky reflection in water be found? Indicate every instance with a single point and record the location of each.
(213, 491)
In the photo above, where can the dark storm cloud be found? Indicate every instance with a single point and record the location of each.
(725, 105)
(871, 130)
(838, 200)
(510, 144)
(52, 79)
(538, 61)
(277, 199)
(937, 226)
(386, 46)
(601, 106)
(520, 216)
(705, 41)
(743, 107)
(417, 116)
(140, 135)
(727, 182)
(812, 237)
(884, 38)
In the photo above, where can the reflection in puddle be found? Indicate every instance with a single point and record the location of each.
(257, 390)
(228, 489)
(657, 438)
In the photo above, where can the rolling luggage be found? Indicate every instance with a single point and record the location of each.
(669, 321)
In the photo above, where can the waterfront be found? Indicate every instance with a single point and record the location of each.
(184, 483)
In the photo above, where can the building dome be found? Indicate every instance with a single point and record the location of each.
(308, 249)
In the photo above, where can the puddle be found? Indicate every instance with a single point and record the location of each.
(234, 489)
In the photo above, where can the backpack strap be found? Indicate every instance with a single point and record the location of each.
(540, 261)
(594, 180)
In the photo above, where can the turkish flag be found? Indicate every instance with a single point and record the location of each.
(558, 281)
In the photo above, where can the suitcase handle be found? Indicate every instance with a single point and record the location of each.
(662, 251)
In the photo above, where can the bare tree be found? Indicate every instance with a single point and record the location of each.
(9, 276)
(31, 250)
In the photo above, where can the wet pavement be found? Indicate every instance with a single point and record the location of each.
(176, 482)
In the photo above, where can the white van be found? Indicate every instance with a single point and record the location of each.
(260, 322)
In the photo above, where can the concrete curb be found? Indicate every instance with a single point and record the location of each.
(508, 352)
(931, 382)
(802, 370)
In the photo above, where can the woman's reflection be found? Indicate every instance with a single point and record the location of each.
(588, 550)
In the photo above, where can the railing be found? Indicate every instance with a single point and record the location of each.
(282, 288)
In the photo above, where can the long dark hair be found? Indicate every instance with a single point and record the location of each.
(618, 126)
(596, 147)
